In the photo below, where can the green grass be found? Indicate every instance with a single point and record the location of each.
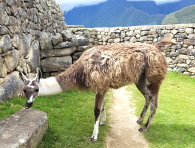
(70, 117)
(174, 123)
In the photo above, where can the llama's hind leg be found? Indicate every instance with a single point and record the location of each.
(98, 107)
(153, 99)
(103, 115)
(141, 85)
(145, 108)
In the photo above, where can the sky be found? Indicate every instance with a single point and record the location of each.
(69, 4)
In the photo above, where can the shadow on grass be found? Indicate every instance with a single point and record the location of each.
(170, 135)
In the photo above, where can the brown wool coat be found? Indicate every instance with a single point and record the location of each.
(115, 65)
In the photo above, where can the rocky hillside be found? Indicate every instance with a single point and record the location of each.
(113, 13)
(183, 16)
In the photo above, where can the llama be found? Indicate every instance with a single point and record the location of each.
(111, 66)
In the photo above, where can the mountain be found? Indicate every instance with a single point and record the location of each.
(183, 16)
(122, 13)
(172, 7)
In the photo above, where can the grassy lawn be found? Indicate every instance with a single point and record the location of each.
(70, 116)
(174, 123)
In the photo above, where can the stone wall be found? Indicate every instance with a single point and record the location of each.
(181, 57)
(32, 34)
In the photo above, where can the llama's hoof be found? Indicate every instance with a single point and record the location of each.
(93, 139)
(139, 121)
(102, 123)
(142, 130)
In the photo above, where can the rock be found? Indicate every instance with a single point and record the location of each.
(4, 19)
(183, 56)
(3, 30)
(192, 52)
(133, 40)
(169, 60)
(1, 80)
(79, 40)
(57, 39)
(189, 30)
(182, 65)
(23, 129)
(5, 44)
(45, 41)
(3, 70)
(181, 70)
(183, 51)
(62, 45)
(56, 63)
(57, 52)
(67, 35)
(191, 36)
(22, 43)
(192, 69)
(117, 40)
(34, 56)
(11, 86)
(11, 60)
(189, 41)
(82, 48)
(143, 33)
(173, 54)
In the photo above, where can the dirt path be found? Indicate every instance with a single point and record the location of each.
(124, 129)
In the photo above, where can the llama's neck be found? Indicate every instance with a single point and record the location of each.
(49, 86)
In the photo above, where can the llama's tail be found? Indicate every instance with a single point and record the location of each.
(162, 45)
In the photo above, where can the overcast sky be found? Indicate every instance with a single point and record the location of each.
(69, 4)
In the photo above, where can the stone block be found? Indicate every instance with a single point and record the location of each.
(57, 52)
(67, 35)
(5, 44)
(3, 70)
(11, 86)
(79, 40)
(62, 45)
(56, 63)
(34, 56)
(192, 69)
(23, 129)
(57, 39)
(45, 41)
(11, 60)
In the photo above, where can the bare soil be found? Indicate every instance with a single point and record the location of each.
(123, 127)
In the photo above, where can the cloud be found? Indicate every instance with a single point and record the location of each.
(69, 4)
(158, 1)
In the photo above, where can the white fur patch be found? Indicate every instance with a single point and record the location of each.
(49, 86)
(95, 130)
(31, 99)
(30, 84)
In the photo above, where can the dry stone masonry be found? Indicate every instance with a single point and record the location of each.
(33, 34)
(181, 57)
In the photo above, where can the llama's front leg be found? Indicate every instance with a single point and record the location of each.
(103, 115)
(98, 107)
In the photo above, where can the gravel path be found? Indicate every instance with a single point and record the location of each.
(123, 127)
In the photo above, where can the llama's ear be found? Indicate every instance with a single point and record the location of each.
(38, 75)
(23, 77)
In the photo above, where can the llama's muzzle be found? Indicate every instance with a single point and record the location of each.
(28, 105)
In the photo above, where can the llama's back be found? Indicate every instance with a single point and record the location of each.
(119, 64)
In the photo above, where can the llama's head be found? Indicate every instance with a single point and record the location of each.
(31, 88)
